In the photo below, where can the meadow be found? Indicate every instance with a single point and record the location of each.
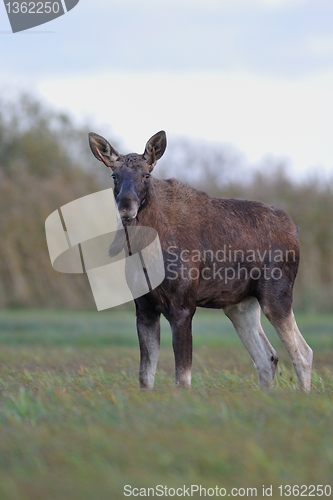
(75, 425)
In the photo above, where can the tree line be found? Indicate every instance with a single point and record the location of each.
(45, 162)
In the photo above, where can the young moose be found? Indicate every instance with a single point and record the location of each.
(229, 254)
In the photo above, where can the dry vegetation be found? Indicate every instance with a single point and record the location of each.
(40, 170)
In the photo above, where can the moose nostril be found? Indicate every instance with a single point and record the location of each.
(127, 213)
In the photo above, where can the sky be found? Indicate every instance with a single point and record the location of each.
(257, 74)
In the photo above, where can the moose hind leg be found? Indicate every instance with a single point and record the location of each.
(299, 351)
(148, 327)
(245, 317)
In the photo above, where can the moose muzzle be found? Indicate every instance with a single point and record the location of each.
(127, 203)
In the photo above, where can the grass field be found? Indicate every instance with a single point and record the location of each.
(75, 426)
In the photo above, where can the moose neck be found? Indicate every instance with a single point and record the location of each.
(148, 213)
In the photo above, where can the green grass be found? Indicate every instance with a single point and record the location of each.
(74, 424)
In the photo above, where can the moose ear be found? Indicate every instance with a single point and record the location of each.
(102, 149)
(155, 148)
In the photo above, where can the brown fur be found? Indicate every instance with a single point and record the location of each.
(174, 208)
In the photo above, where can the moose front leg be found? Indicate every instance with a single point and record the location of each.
(148, 327)
(181, 327)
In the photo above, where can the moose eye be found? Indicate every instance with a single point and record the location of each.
(113, 177)
(147, 176)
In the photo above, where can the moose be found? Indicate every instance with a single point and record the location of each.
(237, 255)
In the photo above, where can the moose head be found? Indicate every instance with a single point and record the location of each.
(131, 172)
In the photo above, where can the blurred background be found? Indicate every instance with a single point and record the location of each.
(243, 89)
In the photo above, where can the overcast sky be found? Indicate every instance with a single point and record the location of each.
(254, 73)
